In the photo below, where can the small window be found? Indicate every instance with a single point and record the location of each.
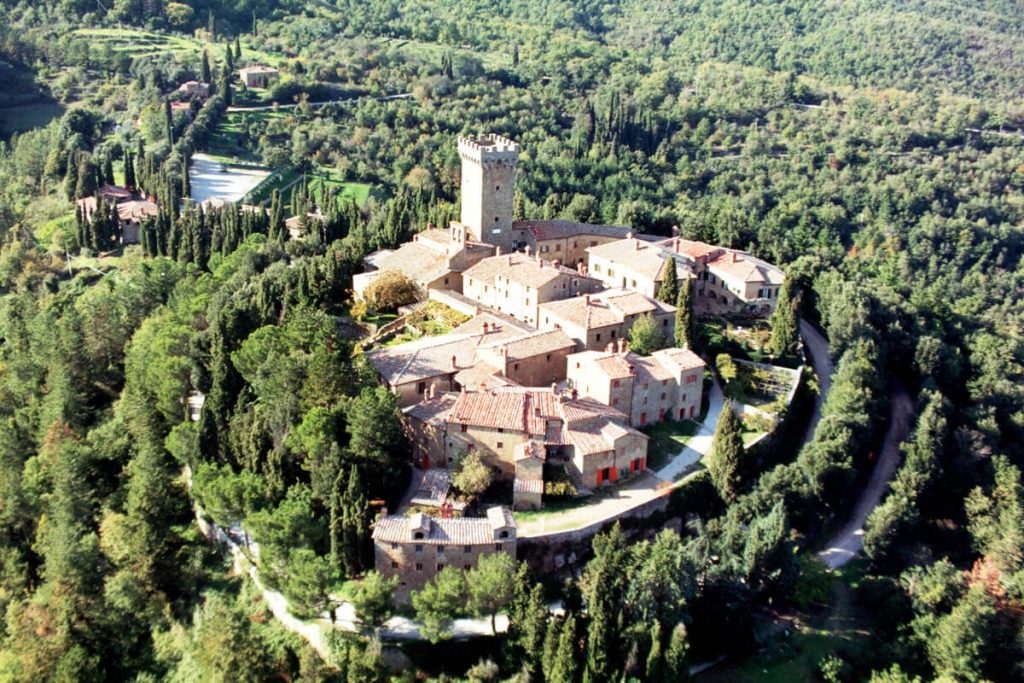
(501, 444)
(446, 280)
(394, 565)
(516, 366)
(440, 550)
(503, 534)
(467, 548)
(463, 428)
(419, 566)
(394, 546)
(598, 336)
(419, 546)
(495, 219)
(616, 383)
(421, 388)
(549, 358)
(558, 247)
(497, 546)
(467, 567)
(501, 430)
(663, 396)
(418, 536)
(613, 334)
(440, 566)
(497, 188)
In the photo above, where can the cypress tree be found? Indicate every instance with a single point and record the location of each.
(784, 321)
(169, 122)
(355, 524)
(727, 453)
(108, 171)
(186, 183)
(224, 86)
(71, 177)
(229, 58)
(686, 332)
(205, 74)
(677, 665)
(669, 291)
(515, 55)
(654, 666)
(238, 49)
(129, 170)
(565, 667)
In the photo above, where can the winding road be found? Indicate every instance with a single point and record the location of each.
(850, 539)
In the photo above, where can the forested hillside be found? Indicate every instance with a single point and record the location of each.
(869, 148)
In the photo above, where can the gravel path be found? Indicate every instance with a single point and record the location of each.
(817, 348)
(850, 539)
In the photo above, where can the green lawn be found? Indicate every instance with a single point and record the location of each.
(667, 438)
(285, 178)
(28, 116)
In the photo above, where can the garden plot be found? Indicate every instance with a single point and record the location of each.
(211, 178)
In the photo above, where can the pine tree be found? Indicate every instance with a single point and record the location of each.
(785, 325)
(108, 171)
(727, 453)
(186, 183)
(224, 87)
(686, 332)
(356, 526)
(238, 49)
(669, 290)
(229, 58)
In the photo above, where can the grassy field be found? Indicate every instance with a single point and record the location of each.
(28, 116)
(667, 439)
(228, 143)
(321, 177)
(138, 42)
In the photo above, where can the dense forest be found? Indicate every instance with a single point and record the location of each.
(871, 149)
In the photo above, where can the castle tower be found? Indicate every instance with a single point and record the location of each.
(488, 177)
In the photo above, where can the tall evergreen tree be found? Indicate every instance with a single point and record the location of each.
(238, 49)
(784, 321)
(169, 122)
(205, 73)
(71, 177)
(129, 170)
(669, 290)
(677, 665)
(108, 171)
(686, 326)
(565, 668)
(727, 453)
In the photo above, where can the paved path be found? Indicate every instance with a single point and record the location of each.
(700, 444)
(817, 348)
(850, 539)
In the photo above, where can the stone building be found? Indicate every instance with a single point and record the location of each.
(594, 441)
(488, 182)
(258, 76)
(416, 547)
(517, 284)
(594, 320)
(132, 209)
(668, 384)
(410, 370)
(434, 259)
(724, 280)
(197, 89)
(566, 241)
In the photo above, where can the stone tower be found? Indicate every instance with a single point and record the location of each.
(488, 177)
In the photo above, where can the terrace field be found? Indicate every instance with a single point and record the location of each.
(138, 42)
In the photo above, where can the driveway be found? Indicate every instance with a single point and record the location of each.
(850, 539)
(816, 346)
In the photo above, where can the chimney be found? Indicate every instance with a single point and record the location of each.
(527, 249)
(675, 231)
(636, 245)
(554, 388)
(497, 250)
(454, 366)
(575, 394)
(485, 327)
(610, 348)
(629, 234)
(632, 369)
(430, 226)
(622, 345)
(508, 261)
(433, 391)
(735, 257)
(586, 299)
(675, 244)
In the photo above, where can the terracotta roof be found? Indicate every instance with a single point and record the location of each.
(599, 436)
(684, 359)
(520, 268)
(136, 210)
(519, 411)
(432, 410)
(521, 485)
(482, 376)
(643, 258)
(442, 531)
(746, 268)
(258, 69)
(432, 356)
(415, 260)
(535, 344)
(495, 320)
(692, 248)
(559, 229)
(606, 308)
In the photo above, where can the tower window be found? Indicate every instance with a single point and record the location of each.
(497, 188)
(495, 219)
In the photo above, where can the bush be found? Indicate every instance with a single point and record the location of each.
(559, 489)
(391, 289)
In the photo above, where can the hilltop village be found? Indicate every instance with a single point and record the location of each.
(540, 378)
